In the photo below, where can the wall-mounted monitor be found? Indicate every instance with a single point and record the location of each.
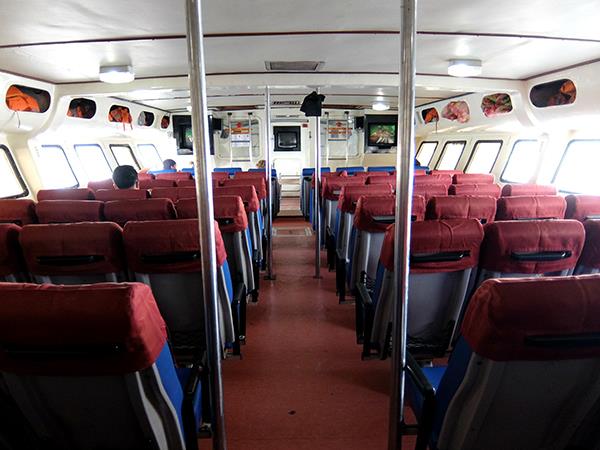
(381, 132)
(287, 138)
(182, 132)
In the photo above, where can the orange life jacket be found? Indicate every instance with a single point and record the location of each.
(17, 100)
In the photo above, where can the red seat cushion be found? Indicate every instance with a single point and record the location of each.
(220, 175)
(371, 211)
(167, 246)
(67, 211)
(44, 246)
(174, 176)
(333, 187)
(418, 207)
(187, 183)
(246, 175)
(259, 184)
(102, 184)
(20, 212)
(174, 193)
(85, 330)
(386, 179)
(65, 194)
(504, 314)
(122, 211)
(430, 190)
(230, 213)
(247, 193)
(446, 172)
(350, 194)
(187, 208)
(438, 245)
(473, 178)
(153, 184)
(107, 195)
(590, 257)
(462, 207)
(581, 207)
(508, 245)
(440, 178)
(510, 190)
(531, 207)
(11, 260)
(488, 190)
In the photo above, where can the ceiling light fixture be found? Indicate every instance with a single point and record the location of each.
(116, 74)
(464, 67)
(380, 106)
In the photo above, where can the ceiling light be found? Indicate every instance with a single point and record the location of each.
(116, 74)
(380, 106)
(464, 67)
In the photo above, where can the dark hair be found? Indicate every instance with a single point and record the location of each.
(168, 164)
(125, 177)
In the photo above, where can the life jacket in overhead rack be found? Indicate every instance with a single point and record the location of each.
(17, 100)
(120, 114)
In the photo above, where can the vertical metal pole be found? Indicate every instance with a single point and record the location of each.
(250, 135)
(327, 138)
(404, 178)
(268, 164)
(230, 137)
(205, 215)
(346, 115)
(317, 199)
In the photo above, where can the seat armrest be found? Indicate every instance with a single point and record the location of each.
(427, 391)
(190, 421)
(363, 294)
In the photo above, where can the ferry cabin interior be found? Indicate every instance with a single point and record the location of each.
(113, 336)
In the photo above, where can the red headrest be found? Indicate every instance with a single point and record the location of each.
(376, 174)
(10, 250)
(174, 176)
(473, 178)
(442, 178)
(363, 174)
(531, 207)
(420, 172)
(591, 250)
(164, 246)
(187, 208)
(510, 190)
(245, 175)
(21, 212)
(418, 207)
(532, 246)
(333, 187)
(220, 175)
(187, 183)
(107, 195)
(488, 190)
(102, 184)
(438, 245)
(247, 193)
(462, 207)
(375, 213)
(430, 190)
(85, 330)
(445, 172)
(174, 193)
(230, 213)
(581, 207)
(68, 211)
(387, 179)
(326, 175)
(259, 184)
(65, 194)
(350, 194)
(122, 211)
(508, 319)
(145, 176)
(73, 248)
(153, 184)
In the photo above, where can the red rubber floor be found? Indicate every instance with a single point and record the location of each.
(301, 383)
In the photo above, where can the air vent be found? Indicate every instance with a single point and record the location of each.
(286, 103)
(294, 66)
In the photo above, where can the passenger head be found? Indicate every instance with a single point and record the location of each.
(169, 164)
(125, 177)
(261, 164)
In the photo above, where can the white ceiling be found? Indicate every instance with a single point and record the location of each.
(514, 39)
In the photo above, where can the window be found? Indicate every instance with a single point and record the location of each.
(93, 161)
(554, 93)
(483, 157)
(23, 98)
(150, 158)
(119, 114)
(522, 161)
(430, 115)
(426, 151)
(451, 154)
(145, 119)
(12, 185)
(495, 104)
(164, 122)
(578, 168)
(82, 108)
(54, 167)
(457, 111)
(124, 156)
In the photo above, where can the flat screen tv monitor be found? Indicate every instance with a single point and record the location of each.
(382, 135)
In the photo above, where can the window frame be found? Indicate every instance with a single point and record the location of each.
(562, 158)
(504, 180)
(485, 141)
(77, 184)
(155, 149)
(437, 143)
(93, 145)
(17, 174)
(137, 163)
(462, 141)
